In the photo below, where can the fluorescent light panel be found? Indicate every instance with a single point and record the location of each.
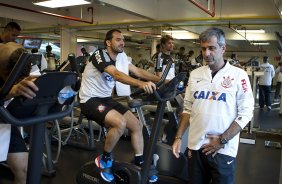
(260, 43)
(251, 31)
(175, 31)
(178, 34)
(61, 3)
(82, 40)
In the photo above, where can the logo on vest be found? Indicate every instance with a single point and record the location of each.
(227, 82)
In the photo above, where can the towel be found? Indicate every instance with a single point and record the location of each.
(5, 134)
(122, 63)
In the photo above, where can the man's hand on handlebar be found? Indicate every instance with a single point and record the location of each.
(148, 87)
(25, 87)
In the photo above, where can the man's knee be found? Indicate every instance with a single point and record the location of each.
(120, 125)
(133, 124)
(18, 164)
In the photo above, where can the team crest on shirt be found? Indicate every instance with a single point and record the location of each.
(101, 108)
(227, 82)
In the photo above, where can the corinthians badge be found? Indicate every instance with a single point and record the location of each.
(227, 82)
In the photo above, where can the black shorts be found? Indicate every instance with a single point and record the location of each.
(96, 109)
(17, 143)
(204, 168)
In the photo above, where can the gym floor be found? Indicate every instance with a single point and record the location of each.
(256, 164)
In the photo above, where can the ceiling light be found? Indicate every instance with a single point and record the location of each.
(82, 40)
(251, 31)
(61, 3)
(260, 43)
(175, 31)
(181, 34)
(143, 32)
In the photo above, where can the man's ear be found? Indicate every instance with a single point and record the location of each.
(108, 42)
(223, 48)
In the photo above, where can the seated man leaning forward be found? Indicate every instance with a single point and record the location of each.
(98, 81)
(12, 146)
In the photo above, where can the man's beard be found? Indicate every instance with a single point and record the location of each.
(117, 50)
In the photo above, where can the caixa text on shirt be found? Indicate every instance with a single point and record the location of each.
(210, 95)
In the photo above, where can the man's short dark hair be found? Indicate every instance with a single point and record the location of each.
(34, 50)
(109, 35)
(158, 46)
(233, 56)
(191, 52)
(13, 25)
(265, 59)
(165, 39)
(182, 48)
(48, 48)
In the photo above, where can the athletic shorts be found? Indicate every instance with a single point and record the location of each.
(17, 143)
(203, 168)
(96, 109)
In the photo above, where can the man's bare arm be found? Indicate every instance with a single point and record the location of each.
(148, 87)
(143, 74)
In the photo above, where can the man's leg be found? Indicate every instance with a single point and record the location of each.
(117, 124)
(17, 162)
(267, 92)
(137, 141)
(277, 91)
(222, 168)
(17, 158)
(261, 96)
(135, 127)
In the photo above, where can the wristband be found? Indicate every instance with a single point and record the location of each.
(178, 137)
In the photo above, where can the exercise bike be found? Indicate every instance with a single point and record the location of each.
(127, 173)
(168, 165)
(39, 109)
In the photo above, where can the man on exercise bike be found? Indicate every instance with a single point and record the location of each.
(12, 145)
(98, 81)
(167, 44)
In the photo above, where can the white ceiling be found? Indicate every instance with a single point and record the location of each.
(152, 16)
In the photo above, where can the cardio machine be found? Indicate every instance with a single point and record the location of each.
(168, 165)
(35, 112)
(127, 173)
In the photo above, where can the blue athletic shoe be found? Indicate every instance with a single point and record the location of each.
(153, 178)
(153, 174)
(105, 168)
